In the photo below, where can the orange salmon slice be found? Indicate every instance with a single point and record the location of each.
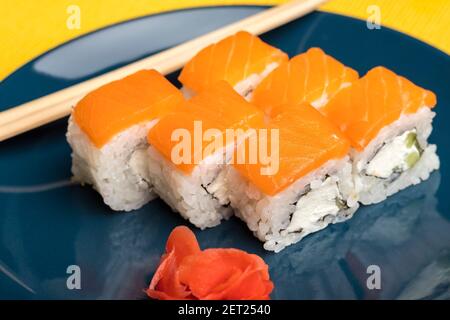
(232, 59)
(218, 108)
(373, 102)
(312, 77)
(306, 140)
(114, 107)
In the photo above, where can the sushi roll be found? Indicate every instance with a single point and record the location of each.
(311, 188)
(108, 134)
(242, 60)
(312, 77)
(388, 120)
(189, 179)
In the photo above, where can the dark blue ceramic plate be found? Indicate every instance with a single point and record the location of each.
(47, 225)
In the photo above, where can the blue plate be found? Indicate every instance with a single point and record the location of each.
(47, 224)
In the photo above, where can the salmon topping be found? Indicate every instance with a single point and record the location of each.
(114, 107)
(202, 123)
(373, 102)
(312, 77)
(232, 59)
(306, 140)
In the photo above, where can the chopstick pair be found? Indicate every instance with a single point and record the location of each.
(57, 105)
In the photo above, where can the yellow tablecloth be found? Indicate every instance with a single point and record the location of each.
(29, 28)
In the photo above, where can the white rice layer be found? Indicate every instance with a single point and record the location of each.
(372, 189)
(198, 197)
(118, 180)
(284, 219)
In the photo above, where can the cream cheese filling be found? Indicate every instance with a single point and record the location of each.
(315, 206)
(396, 156)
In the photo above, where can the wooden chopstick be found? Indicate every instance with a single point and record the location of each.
(59, 104)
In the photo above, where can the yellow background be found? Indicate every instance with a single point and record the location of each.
(28, 28)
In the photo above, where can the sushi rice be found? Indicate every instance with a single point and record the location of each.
(197, 197)
(109, 169)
